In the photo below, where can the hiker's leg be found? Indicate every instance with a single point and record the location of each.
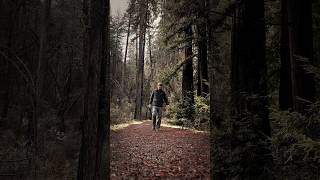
(154, 117)
(159, 117)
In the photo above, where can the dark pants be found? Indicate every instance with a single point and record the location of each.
(156, 116)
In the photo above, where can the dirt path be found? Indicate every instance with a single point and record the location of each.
(138, 152)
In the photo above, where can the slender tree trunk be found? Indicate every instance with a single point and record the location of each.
(152, 67)
(94, 158)
(137, 76)
(124, 70)
(187, 77)
(286, 95)
(203, 79)
(199, 73)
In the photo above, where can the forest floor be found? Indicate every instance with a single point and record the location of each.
(138, 152)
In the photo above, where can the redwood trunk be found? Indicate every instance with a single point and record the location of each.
(249, 87)
(94, 153)
(187, 77)
(203, 88)
(140, 77)
(296, 54)
(124, 70)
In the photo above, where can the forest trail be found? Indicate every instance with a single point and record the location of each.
(138, 152)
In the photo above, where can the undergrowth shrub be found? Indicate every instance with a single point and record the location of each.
(121, 113)
(296, 143)
(184, 113)
(240, 151)
(202, 112)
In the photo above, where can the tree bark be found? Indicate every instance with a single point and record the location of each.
(187, 77)
(215, 117)
(140, 79)
(103, 136)
(249, 68)
(203, 79)
(152, 63)
(41, 72)
(249, 86)
(137, 75)
(94, 153)
(124, 70)
(286, 96)
(8, 67)
(43, 62)
(296, 54)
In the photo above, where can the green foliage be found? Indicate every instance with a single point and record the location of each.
(196, 116)
(296, 142)
(166, 74)
(121, 113)
(185, 111)
(240, 151)
(202, 112)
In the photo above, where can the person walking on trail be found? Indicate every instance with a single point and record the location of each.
(157, 99)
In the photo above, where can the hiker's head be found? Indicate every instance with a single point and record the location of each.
(159, 86)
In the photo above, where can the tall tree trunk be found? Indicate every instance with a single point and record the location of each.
(296, 53)
(94, 158)
(187, 77)
(124, 70)
(41, 74)
(203, 79)
(137, 76)
(249, 85)
(152, 63)
(199, 73)
(249, 62)
(8, 67)
(140, 80)
(103, 136)
(215, 117)
(43, 62)
(286, 95)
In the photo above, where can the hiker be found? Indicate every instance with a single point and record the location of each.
(157, 99)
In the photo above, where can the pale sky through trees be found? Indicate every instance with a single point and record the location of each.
(118, 6)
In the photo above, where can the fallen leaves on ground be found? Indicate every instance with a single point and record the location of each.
(138, 152)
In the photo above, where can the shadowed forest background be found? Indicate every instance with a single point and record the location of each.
(245, 71)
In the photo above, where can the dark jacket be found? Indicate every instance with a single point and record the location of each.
(158, 97)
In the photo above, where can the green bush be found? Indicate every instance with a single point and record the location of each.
(185, 113)
(240, 151)
(296, 141)
(202, 112)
